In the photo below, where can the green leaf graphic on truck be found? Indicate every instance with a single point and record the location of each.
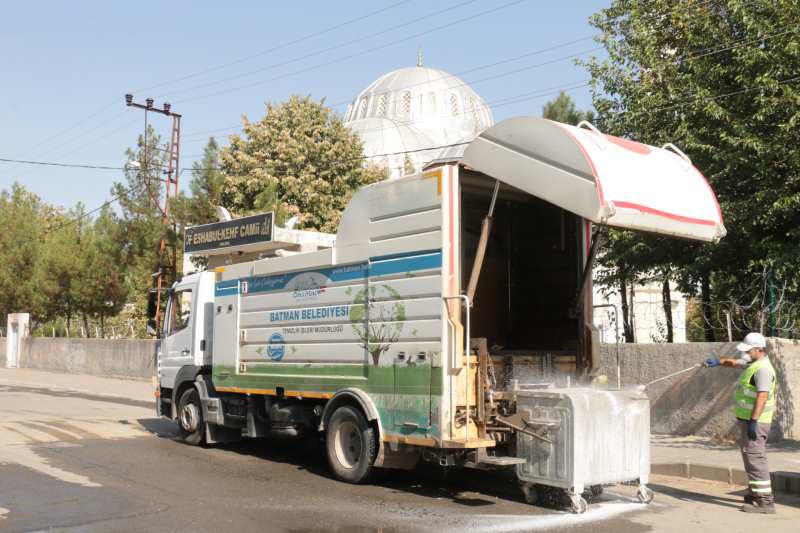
(377, 319)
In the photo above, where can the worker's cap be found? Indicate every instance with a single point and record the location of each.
(752, 340)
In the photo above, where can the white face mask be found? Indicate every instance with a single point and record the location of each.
(746, 357)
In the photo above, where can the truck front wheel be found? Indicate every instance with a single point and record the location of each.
(351, 445)
(191, 425)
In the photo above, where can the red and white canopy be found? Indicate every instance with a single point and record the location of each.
(605, 179)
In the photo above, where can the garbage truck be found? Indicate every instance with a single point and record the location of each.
(439, 322)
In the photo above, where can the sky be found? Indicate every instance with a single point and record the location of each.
(66, 66)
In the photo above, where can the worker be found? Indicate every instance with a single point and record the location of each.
(754, 408)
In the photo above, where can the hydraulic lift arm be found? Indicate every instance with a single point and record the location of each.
(483, 242)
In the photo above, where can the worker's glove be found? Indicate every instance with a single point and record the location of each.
(752, 426)
(711, 362)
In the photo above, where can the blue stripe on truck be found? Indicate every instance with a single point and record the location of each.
(376, 266)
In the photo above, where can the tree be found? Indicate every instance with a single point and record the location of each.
(58, 265)
(299, 158)
(408, 166)
(24, 219)
(206, 190)
(101, 290)
(141, 221)
(715, 79)
(562, 109)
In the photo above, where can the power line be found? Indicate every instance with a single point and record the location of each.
(726, 95)
(212, 69)
(326, 49)
(705, 52)
(450, 24)
(461, 73)
(55, 164)
(277, 47)
(506, 101)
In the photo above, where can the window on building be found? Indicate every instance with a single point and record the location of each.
(383, 101)
(453, 104)
(406, 109)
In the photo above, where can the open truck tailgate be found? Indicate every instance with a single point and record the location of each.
(605, 179)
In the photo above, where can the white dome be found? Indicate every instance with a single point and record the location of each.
(417, 104)
(387, 143)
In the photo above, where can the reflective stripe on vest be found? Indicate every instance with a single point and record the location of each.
(745, 393)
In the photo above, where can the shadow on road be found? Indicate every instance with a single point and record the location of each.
(735, 501)
(461, 486)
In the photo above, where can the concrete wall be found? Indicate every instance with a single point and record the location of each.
(700, 402)
(126, 358)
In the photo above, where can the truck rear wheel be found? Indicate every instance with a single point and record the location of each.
(350, 444)
(191, 425)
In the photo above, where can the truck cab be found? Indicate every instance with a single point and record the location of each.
(186, 336)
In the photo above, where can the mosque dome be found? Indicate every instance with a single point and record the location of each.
(410, 109)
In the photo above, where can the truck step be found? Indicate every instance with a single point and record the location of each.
(492, 462)
(502, 460)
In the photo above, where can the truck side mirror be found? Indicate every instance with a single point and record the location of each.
(152, 297)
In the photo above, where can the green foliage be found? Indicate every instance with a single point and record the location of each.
(206, 190)
(23, 222)
(141, 220)
(562, 109)
(58, 266)
(299, 158)
(708, 76)
(408, 166)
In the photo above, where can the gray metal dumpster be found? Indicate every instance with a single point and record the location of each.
(582, 439)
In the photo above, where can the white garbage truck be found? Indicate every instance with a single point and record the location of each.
(433, 325)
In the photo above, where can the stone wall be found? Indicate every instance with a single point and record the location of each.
(125, 358)
(700, 402)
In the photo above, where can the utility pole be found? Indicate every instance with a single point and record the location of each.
(167, 251)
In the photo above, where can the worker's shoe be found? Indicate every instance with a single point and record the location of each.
(748, 499)
(759, 508)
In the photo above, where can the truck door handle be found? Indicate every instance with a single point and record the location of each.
(185, 352)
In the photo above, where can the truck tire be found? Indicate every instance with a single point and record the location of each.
(191, 426)
(350, 444)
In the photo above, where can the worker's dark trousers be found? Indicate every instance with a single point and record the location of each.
(754, 455)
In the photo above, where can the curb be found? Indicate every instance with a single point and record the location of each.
(788, 482)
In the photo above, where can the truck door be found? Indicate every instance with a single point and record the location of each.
(178, 334)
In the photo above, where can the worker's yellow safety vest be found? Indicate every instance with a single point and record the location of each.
(746, 392)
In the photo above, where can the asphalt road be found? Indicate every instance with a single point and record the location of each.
(84, 462)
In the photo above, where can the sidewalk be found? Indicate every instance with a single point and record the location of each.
(131, 389)
(698, 457)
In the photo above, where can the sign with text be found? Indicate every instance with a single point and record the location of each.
(248, 230)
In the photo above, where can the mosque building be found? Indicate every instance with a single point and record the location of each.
(416, 112)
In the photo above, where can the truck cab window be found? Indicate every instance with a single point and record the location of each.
(180, 311)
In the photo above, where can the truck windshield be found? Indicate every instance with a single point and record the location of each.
(180, 311)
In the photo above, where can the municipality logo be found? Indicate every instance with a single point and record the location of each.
(276, 348)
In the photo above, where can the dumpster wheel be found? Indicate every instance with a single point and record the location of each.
(578, 504)
(644, 494)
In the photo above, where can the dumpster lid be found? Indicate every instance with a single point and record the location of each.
(606, 179)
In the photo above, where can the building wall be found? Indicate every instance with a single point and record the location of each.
(125, 358)
(2, 352)
(700, 402)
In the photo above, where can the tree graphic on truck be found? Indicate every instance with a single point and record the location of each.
(377, 318)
